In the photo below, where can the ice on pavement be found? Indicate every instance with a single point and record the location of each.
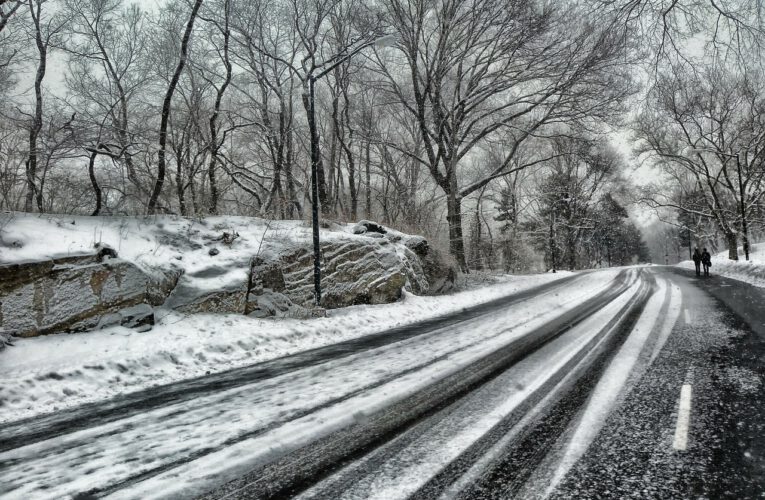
(236, 429)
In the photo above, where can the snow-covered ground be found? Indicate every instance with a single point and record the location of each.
(239, 428)
(751, 271)
(55, 372)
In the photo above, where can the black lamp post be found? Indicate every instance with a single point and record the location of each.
(310, 101)
(314, 190)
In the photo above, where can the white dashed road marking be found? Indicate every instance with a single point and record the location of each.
(683, 418)
(687, 317)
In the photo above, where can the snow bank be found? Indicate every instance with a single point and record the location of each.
(751, 271)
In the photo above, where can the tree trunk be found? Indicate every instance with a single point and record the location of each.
(571, 243)
(166, 110)
(34, 130)
(454, 219)
(180, 187)
(94, 181)
(552, 240)
(732, 241)
(368, 175)
(214, 144)
(293, 201)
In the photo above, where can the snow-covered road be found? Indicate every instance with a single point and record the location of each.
(483, 372)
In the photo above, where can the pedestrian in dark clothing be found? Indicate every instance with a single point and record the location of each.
(706, 260)
(697, 261)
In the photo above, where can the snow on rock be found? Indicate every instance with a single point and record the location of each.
(72, 293)
(208, 265)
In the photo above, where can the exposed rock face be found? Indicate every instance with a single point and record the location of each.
(99, 290)
(198, 293)
(188, 299)
(68, 294)
(161, 283)
(440, 272)
(353, 272)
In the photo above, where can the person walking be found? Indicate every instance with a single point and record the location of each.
(706, 260)
(697, 261)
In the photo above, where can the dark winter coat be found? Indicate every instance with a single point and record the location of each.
(706, 258)
(696, 256)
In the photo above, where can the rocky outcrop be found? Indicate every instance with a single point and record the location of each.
(354, 271)
(440, 270)
(98, 290)
(67, 294)
(187, 298)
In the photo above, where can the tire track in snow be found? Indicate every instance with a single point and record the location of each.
(613, 381)
(40, 428)
(419, 463)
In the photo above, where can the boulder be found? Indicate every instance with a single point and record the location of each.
(418, 245)
(266, 274)
(162, 282)
(275, 304)
(139, 317)
(353, 272)
(216, 288)
(187, 298)
(67, 294)
(440, 272)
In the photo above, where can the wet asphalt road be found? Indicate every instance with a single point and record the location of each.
(717, 347)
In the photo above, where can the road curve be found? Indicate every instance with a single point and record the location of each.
(578, 389)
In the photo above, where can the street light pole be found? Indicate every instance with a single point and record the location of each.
(309, 102)
(314, 189)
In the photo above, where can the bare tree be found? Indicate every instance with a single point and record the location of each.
(267, 51)
(106, 46)
(482, 68)
(166, 108)
(46, 26)
(662, 28)
(705, 129)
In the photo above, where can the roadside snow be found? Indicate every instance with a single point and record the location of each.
(51, 373)
(184, 448)
(751, 271)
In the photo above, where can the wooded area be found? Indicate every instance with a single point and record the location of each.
(483, 124)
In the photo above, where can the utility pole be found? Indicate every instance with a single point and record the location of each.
(314, 189)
